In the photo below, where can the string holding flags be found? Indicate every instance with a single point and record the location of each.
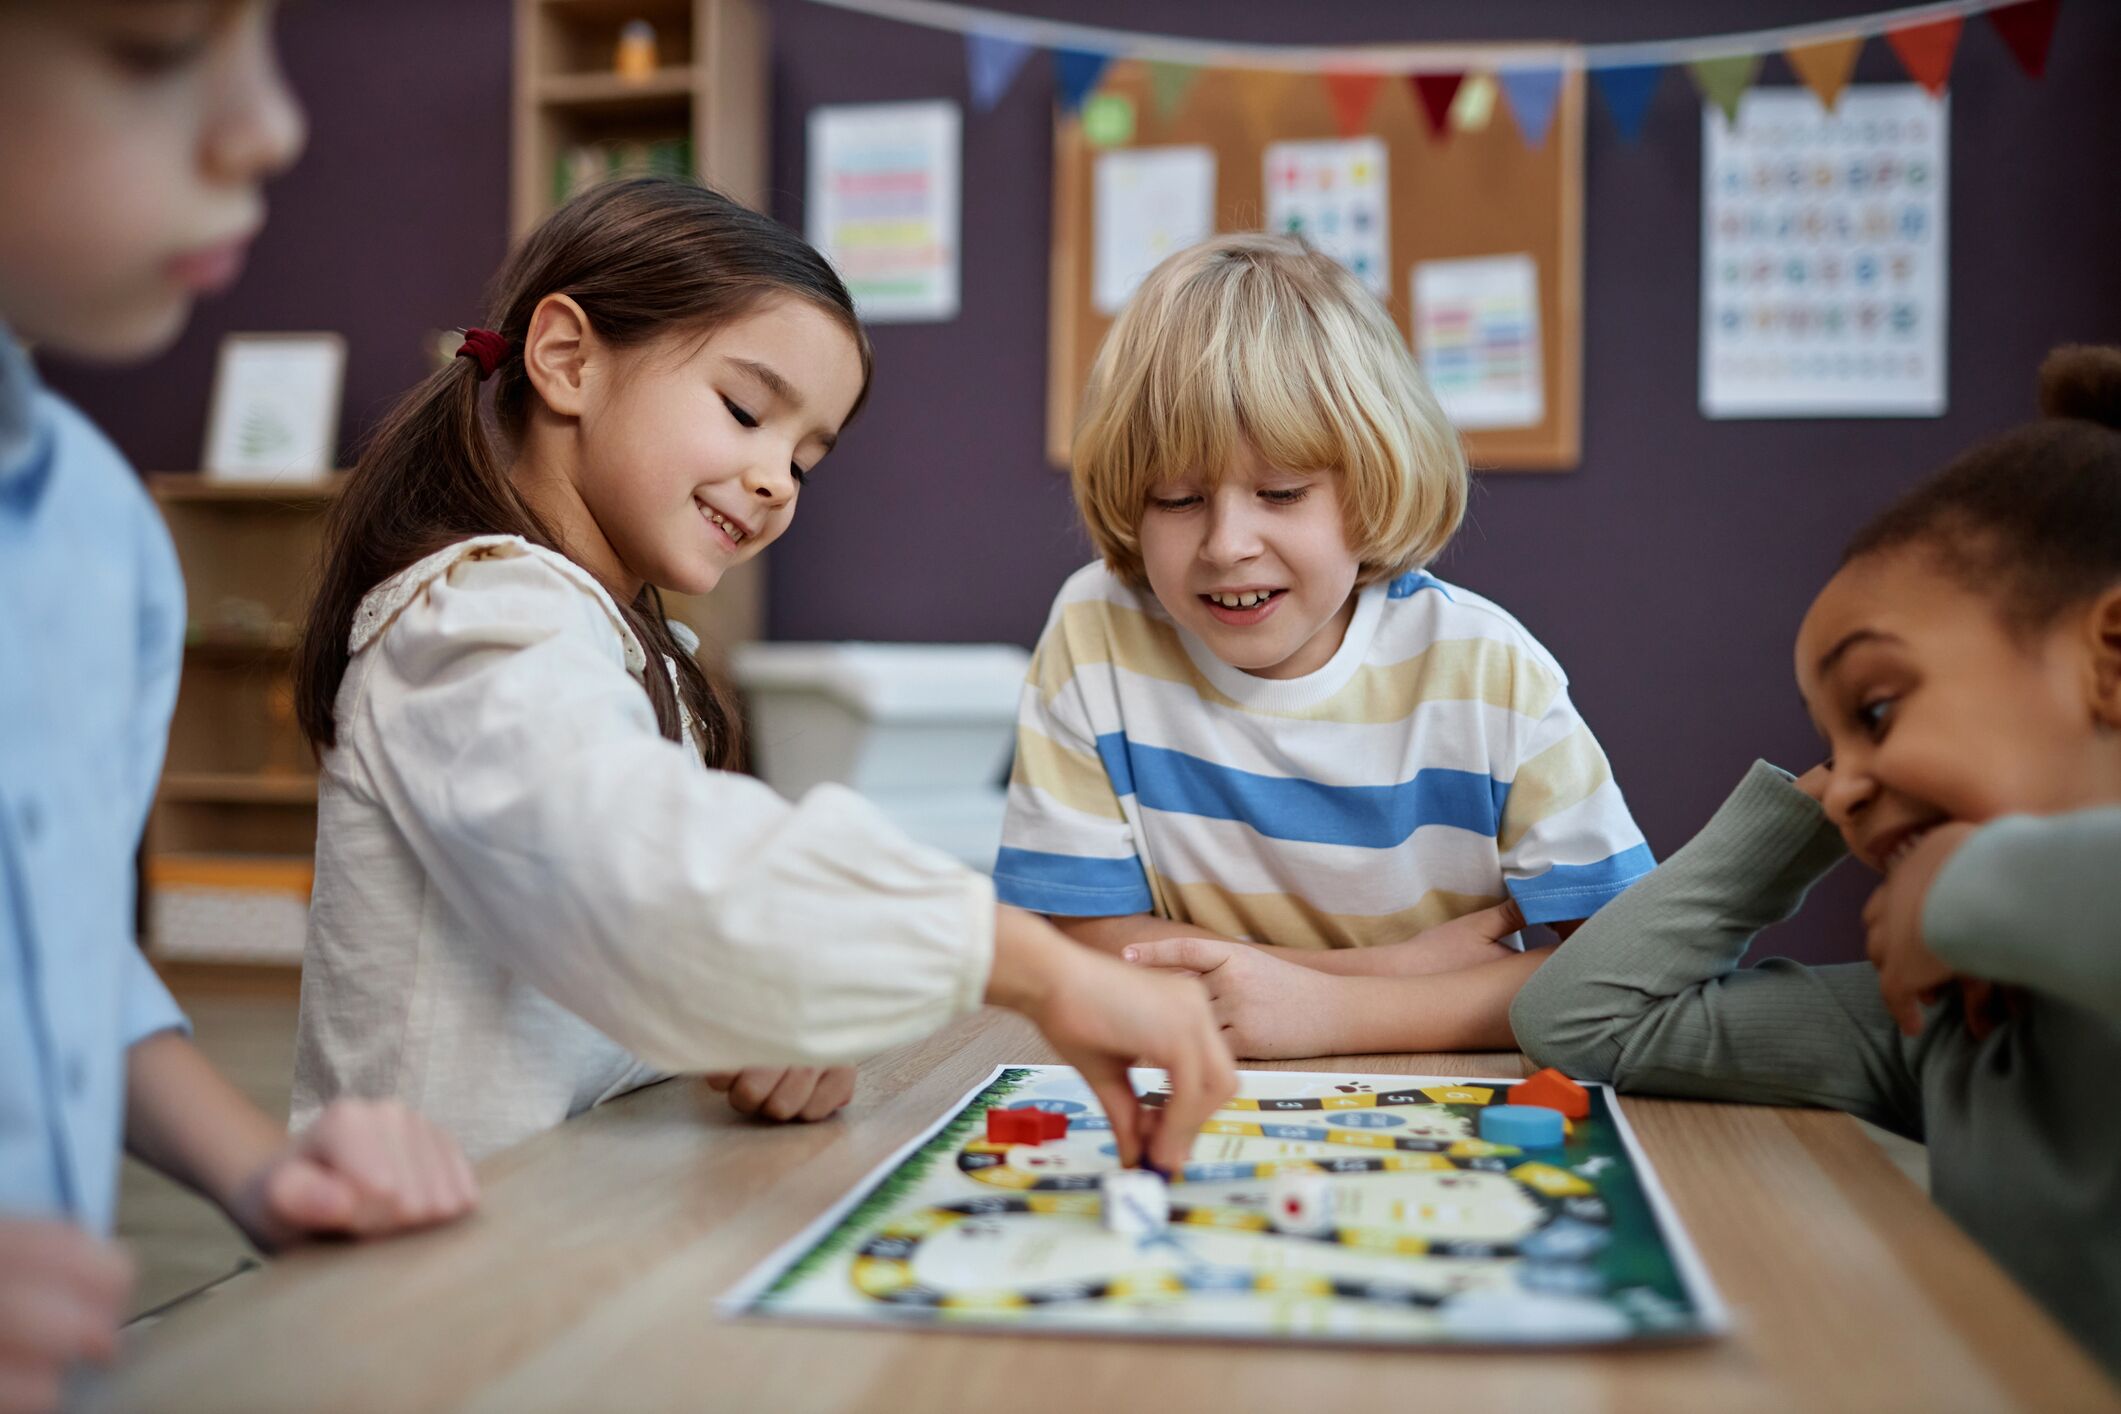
(1456, 86)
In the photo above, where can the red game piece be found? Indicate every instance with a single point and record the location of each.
(1025, 1126)
(1550, 1089)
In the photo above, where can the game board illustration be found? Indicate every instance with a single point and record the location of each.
(1428, 1234)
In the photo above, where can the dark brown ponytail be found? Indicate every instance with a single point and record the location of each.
(642, 258)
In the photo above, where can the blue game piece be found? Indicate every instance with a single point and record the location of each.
(1526, 1126)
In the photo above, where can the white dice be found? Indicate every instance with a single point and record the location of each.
(1301, 1203)
(1136, 1202)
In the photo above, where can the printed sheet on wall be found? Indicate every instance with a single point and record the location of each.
(1823, 255)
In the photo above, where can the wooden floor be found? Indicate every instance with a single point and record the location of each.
(244, 1019)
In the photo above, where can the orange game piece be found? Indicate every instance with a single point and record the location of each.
(1025, 1126)
(1550, 1089)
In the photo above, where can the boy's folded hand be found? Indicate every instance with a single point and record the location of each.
(1268, 1009)
(62, 1293)
(799, 1092)
(1909, 974)
(365, 1167)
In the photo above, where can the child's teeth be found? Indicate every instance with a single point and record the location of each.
(1242, 601)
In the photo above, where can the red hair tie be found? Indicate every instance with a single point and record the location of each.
(485, 348)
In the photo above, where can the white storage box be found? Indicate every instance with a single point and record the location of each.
(925, 730)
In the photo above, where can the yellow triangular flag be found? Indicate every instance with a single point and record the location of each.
(1825, 67)
(1475, 104)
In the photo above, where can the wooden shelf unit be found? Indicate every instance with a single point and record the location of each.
(709, 89)
(239, 782)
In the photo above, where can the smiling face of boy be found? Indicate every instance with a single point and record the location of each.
(1256, 565)
(1935, 710)
(139, 134)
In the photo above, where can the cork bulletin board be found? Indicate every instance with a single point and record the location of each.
(1485, 193)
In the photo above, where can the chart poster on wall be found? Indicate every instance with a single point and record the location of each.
(884, 205)
(1476, 332)
(1334, 195)
(1823, 255)
(1151, 201)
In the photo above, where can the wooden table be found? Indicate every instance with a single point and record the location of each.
(588, 1282)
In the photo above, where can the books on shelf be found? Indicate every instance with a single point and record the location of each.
(584, 164)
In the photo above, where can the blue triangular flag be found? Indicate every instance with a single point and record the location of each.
(1077, 72)
(1533, 94)
(991, 64)
(1627, 91)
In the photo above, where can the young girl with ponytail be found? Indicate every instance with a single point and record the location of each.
(539, 881)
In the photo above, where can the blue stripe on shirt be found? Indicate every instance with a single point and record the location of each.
(1412, 583)
(1070, 884)
(1569, 891)
(1288, 808)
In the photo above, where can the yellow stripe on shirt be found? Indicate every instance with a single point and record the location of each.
(1455, 670)
(1289, 921)
(1565, 774)
(1077, 779)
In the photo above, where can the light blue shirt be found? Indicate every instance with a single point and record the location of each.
(91, 641)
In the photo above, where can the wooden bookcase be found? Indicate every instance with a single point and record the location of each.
(708, 92)
(237, 810)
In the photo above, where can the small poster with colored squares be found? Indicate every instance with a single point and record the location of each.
(1334, 195)
(1430, 1235)
(883, 205)
(1823, 255)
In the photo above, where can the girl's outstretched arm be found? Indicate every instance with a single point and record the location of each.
(693, 916)
(1648, 994)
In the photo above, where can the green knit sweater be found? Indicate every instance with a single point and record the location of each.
(2023, 1128)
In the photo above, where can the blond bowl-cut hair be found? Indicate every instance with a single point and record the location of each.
(1262, 339)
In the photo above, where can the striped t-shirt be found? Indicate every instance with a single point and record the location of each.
(1433, 764)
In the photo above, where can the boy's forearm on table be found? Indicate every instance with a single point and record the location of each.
(1467, 1009)
(183, 1118)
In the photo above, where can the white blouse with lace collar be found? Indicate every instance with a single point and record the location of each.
(528, 900)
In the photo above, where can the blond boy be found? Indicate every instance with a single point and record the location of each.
(1260, 720)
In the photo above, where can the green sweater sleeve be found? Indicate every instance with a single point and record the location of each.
(2035, 901)
(1648, 994)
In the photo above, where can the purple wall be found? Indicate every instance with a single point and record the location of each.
(388, 228)
(1668, 573)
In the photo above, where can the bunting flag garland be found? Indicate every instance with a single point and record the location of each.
(1436, 92)
(1926, 51)
(1457, 86)
(1474, 108)
(1533, 95)
(1627, 91)
(1076, 72)
(2027, 28)
(1724, 81)
(992, 64)
(1825, 67)
(1168, 85)
(1352, 94)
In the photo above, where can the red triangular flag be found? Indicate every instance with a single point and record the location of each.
(1352, 95)
(1926, 51)
(1436, 92)
(2027, 28)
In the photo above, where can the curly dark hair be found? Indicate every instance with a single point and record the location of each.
(2033, 517)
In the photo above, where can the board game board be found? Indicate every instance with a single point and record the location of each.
(1436, 1237)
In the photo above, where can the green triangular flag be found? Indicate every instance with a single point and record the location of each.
(1724, 81)
(1168, 85)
